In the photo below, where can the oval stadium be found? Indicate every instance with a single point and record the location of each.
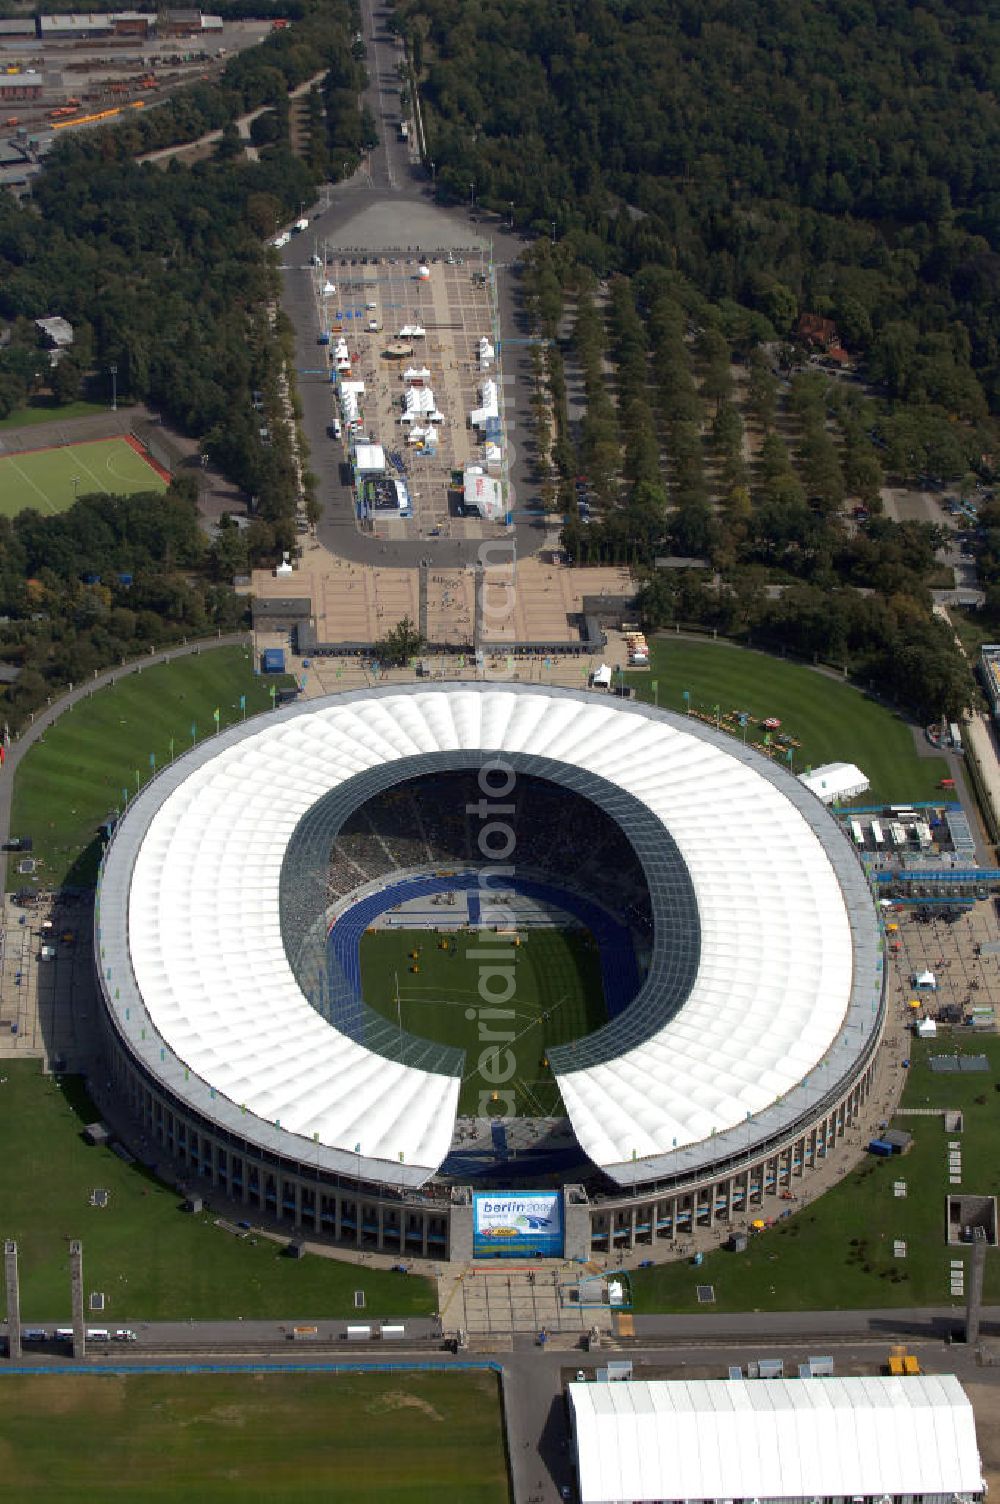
(486, 968)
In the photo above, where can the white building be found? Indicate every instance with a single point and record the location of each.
(835, 780)
(776, 1441)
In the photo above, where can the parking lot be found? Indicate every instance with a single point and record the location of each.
(378, 298)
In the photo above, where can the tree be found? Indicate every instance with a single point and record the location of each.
(401, 643)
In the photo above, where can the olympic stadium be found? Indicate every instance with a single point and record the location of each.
(676, 962)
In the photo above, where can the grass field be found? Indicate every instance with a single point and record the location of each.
(408, 1438)
(152, 1260)
(49, 480)
(76, 774)
(833, 721)
(45, 410)
(837, 1254)
(558, 996)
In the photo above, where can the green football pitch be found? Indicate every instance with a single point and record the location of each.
(407, 1437)
(557, 996)
(49, 480)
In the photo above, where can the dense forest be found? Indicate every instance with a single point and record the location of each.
(699, 178)
(782, 156)
(164, 270)
(104, 581)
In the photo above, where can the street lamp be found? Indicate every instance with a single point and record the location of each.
(553, 228)
(472, 197)
(113, 368)
(76, 486)
(433, 167)
(511, 211)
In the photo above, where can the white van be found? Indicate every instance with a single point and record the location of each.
(98, 1334)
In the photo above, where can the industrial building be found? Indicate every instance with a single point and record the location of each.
(776, 1441)
(744, 1056)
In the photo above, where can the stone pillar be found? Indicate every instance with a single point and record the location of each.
(380, 1227)
(460, 1228)
(424, 1229)
(76, 1293)
(297, 1192)
(13, 1299)
(974, 1297)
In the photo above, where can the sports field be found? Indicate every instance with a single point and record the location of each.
(153, 1261)
(409, 1438)
(49, 480)
(558, 996)
(837, 1254)
(832, 721)
(80, 771)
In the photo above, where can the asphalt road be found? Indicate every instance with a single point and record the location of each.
(534, 1378)
(387, 206)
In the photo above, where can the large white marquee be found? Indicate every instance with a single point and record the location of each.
(785, 988)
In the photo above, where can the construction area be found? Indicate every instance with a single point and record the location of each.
(416, 392)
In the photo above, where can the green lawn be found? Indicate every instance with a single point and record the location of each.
(152, 1260)
(558, 996)
(72, 778)
(408, 1438)
(837, 1253)
(49, 480)
(831, 720)
(45, 410)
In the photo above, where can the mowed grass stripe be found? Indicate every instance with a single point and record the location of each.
(556, 972)
(74, 777)
(833, 721)
(154, 1262)
(410, 1438)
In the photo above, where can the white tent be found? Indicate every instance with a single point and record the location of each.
(328, 288)
(601, 677)
(927, 1028)
(483, 494)
(486, 352)
(488, 408)
(369, 459)
(416, 374)
(411, 331)
(416, 435)
(491, 453)
(835, 780)
(925, 979)
(818, 1439)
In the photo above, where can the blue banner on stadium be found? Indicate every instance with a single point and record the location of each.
(517, 1224)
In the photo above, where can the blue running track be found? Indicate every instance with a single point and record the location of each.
(619, 970)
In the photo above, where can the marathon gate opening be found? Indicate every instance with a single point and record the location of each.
(515, 1224)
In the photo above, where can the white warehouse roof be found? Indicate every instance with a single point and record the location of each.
(773, 1439)
(200, 956)
(835, 780)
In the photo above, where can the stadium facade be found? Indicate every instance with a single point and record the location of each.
(248, 1061)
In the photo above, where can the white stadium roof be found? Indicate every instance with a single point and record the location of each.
(779, 993)
(775, 1439)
